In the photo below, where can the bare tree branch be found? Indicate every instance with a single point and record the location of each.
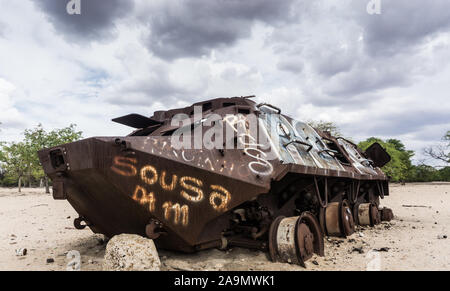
(440, 152)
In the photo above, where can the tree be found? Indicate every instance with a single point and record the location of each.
(2, 157)
(400, 166)
(20, 160)
(397, 144)
(37, 139)
(444, 174)
(15, 161)
(440, 152)
(424, 173)
(2, 161)
(326, 126)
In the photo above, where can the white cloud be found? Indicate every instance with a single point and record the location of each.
(10, 117)
(330, 60)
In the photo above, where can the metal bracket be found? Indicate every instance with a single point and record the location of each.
(319, 197)
(154, 229)
(77, 223)
(300, 142)
(380, 189)
(123, 144)
(354, 192)
(331, 153)
(270, 106)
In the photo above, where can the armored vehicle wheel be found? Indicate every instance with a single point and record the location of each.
(376, 215)
(273, 238)
(305, 241)
(348, 223)
(366, 214)
(310, 220)
(337, 219)
(331, 219)
(291, 240)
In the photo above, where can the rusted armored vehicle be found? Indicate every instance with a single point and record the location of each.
(221, 173)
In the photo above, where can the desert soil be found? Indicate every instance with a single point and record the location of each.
(414, 240)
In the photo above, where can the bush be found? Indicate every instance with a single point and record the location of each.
(444, 174)
(400, 166)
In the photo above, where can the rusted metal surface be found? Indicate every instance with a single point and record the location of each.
(194, 198)
(154, 229)
(347, 221)
(310, 220)
(375, 215)
(362, 212)
(305, 241)
(337, 219)
(285, 241)
(333, 219)
(367, 214)
(386, 214)
(295, 239)
(80, 223)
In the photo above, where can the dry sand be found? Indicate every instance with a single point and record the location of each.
(412, 241)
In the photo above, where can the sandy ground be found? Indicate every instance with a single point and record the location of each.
(413, 241)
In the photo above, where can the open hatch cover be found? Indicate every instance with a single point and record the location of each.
(136, 121)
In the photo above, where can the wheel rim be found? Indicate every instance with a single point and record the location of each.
(374, 214)
(314, 226)
(348, 224)
(273, 238)
(291, 240)
(305, 242)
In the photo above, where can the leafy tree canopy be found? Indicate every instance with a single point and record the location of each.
(21, 160)
(400, 165)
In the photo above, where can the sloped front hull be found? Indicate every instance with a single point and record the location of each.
(120, 185)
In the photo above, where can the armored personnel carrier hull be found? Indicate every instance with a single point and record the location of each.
(220, 173)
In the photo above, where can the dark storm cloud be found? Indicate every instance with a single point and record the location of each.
(176, 29)
(192, 28)
(96, 21)
(392, 40)
(351, 52)
(403, 24)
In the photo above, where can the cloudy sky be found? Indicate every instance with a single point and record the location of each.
(383, 75)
